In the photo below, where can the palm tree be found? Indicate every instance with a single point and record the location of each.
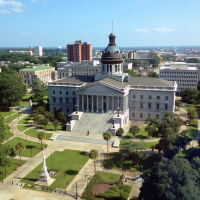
(93, 154)
(41, 136)
(19, 147)
(106, 136)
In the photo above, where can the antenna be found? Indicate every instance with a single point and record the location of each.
(112, 26)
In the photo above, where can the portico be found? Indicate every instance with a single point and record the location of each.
(102, 103)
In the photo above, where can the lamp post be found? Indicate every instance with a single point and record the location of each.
(118, 109)
(76, 108)
(113, 120)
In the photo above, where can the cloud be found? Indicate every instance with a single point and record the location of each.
(164, 29)
(35, 1)
(5, 11)
(10, 6)
(141, 30)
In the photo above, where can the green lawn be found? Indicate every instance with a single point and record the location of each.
(192, 131)
(24, 120)
(185, 153)
(8, 134)
(5, 114)
(141, 135)
(11, 118)
(147, 162)
(68, 163)
(22, 128)
(28, 144)
(109, 177)
(186, 105)
(34, 133)
(27, 96)
(9, 169)
(50, 127)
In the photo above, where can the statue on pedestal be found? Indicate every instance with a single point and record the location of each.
(30, 102)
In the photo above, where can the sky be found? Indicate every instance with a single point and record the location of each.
(136, 23)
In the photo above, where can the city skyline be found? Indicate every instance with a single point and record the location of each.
(137, 23)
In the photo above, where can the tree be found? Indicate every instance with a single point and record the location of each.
(106, 136)
(55, 124)
(178, 104)
(93, 154)
(2, 129)
(19, 147)
(134, 130)
(12, 89)
(45, 122)
(190, 95)
(153, 75)
(170, 180)
(40, 89)
(41, 136)
(131, 73)
(155, 61)
(191, 113)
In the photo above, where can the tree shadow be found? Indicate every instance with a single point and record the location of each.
(30, 146)
(83, 153)
(31, 179)
(71, 172)
(142, 137)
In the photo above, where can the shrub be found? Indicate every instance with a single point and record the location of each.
(193, 123)
(134, 130)
(120, 131)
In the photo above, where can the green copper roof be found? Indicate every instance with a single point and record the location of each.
(36, 68)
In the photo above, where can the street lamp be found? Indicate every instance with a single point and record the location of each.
(76, 108)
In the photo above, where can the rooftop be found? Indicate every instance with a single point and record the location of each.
(36, 68)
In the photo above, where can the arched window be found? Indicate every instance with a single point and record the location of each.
(133, 114)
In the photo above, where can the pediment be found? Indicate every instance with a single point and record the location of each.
(98, 88)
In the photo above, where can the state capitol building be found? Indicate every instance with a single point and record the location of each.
(135, 98)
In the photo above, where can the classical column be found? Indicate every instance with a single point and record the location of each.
(113, 104)
(102, 110)
(107, 104)
(87, 105)
(97, 105)
(77, 101)
(118, 103)
(123, 104)
(92, 104)
(82, 102)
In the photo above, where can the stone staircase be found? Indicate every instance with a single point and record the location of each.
(94, 123)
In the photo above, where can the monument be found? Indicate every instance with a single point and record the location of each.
(44, 176)
(30, 102)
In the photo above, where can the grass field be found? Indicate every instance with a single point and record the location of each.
(26, 103)
(50, 127)
(22, 128)
(9, 169)
(34, 133)
(27, 96)
(11, 118)
(24, 120)
(68, 163)
(8, 134)
(28, 144)
(108, 177)
(5, 114)
(192, 131)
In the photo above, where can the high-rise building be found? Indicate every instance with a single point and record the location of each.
(38, 51)
(79, 51)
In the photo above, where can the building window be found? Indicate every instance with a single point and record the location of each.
(66, 92)
(74, 101)
(54, 109)
(73, 93)
(54, 92)
(150, 106)
(166, 97)
(158, 97)
(60, 100)
(158, 106)
(141, 96)
(141, 105)
(157, 116)
(133, 114)
(74, 109)
(60, 92)
(166, 106)
(67, 109)
(133, 104)
(141, 115)
(115, 68)
(133, 96)
(149, 115)
(103, 68)
(54, 99)
(107, 68)
(67, 100)
(60, 109)
(149, 96)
